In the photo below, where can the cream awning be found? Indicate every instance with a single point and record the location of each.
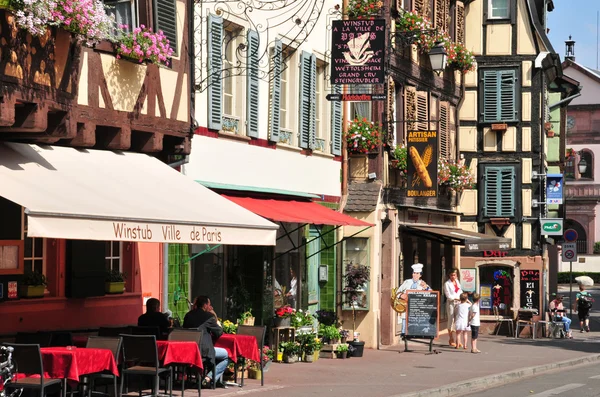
(103, 195)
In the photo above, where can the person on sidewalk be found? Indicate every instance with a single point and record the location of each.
(412, 283)
(452, 291)
(475, 323)
(461, 314)
(558, 311)
(582, 305)
(203, 316)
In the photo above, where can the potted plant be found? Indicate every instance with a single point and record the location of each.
(290, 350)
(254, 370)
(355, 279)
(282, 316)
(301, 319)
(330, 333)
(455, 176)
(229, 327)
(114, 282)
(268, 355)
(362, 9)
(327, 317)
(33, 285)
(342, 351)
(363, 136)
(246, 318)
(344, 333)
(143, 45)
(310, 344)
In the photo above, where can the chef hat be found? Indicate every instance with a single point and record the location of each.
(417, 268)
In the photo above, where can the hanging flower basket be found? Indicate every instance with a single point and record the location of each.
(459, 58)
(142, 45)
(455, 176)
(363, 9)
(363, 136)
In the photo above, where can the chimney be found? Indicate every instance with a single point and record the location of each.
(570, 49)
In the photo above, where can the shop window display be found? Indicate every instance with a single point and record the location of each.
(287, 280)
(499, 280)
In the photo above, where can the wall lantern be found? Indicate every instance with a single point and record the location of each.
(438, 57)
(582, 166)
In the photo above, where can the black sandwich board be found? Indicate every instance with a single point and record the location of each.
(422, 316)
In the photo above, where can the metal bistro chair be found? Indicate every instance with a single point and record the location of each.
(259, 334)
(500, 320)
(553, 328)
(140, 358)
(525, 319)
(188, 335)
(29, 360)
(114, 345)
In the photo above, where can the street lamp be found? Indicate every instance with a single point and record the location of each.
(438, 57)
(582, 166)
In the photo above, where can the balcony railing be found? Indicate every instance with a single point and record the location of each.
(582, 246)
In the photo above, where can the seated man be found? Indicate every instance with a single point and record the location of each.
(203, 316)
(153, 317)
(558, 312)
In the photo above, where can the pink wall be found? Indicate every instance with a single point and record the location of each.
(149, 264)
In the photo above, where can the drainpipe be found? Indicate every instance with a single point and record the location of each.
(165, 286)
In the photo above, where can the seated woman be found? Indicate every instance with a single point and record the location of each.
(558, 312)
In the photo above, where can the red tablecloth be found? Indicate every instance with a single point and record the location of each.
(60, 362)
(179, 352)
(239, 345)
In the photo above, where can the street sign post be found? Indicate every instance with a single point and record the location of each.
(569, 253)
(570, 235)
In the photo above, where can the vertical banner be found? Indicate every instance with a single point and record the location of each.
(554, 188)
(358, 51)
(421, 159)
(468, 279)
(530, 287)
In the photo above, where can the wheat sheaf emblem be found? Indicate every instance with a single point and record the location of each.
(421, 162)
(359, 53)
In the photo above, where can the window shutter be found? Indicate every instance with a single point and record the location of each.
(422, 111)
(275, 94)
(313, 102)
(215, 66)
(460, 22)
(304, 100)
(441, 15)
(410, 108)
(165, 18)
(508, 108)
(499, 192)
(444, 132)
(336, 123)
(490, 95)
(252, 84)
(419, 7)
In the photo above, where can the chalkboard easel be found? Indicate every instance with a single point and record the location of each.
(422, 316)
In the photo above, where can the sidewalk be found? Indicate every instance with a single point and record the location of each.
(393, 372)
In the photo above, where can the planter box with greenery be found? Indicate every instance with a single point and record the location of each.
(115, 282)
(33, 285)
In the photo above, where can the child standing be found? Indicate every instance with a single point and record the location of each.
(462, 321)
(475, 323)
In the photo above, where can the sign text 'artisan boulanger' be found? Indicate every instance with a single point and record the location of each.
(421, 161)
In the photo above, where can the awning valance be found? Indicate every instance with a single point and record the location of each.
(305, 212)
(472, 241)
(103, 195)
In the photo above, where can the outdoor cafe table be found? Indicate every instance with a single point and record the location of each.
(239, 345)
(71, 363)
(179, 352)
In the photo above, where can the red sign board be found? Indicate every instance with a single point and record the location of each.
(12, 290)
(494, 254)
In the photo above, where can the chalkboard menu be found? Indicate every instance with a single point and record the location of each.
(530, 289)
(422, 314)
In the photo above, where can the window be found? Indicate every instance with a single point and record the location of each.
(283, 110)
(124, 11)
(589, 161)
(499, 9)
(113, 255)
(275, 91)
(229, 85)
(307, 100)
(499, 192)
(499, 96)
(165, 14)
(361, 109)
(322, 110)
(356, 253)
(35, 247)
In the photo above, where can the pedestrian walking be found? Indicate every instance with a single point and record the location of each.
(583, 304)
(474, 322)
(461, 314)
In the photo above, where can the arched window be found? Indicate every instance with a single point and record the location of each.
(588, 157)
(582, 246)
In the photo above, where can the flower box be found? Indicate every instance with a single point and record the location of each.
(290, 358)
(114, 287)
(281, 322)
(31, 291)
(254, 373)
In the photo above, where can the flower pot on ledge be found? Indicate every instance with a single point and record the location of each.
(31, 291)
(114, 287)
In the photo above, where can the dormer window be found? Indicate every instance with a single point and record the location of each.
(499, 9)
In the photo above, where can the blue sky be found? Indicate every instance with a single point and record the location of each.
(578, 19)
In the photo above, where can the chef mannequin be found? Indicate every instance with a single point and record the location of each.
(412, 283)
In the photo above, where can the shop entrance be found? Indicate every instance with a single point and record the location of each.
(497, 289)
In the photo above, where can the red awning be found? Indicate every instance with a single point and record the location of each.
(296, 212)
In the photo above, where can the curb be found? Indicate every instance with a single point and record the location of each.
(486, 382)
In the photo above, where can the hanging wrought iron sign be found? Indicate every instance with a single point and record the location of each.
(358, 51)
(421, 151)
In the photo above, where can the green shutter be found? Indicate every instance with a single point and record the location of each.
(275, 94)
(499, 192)
(490, 95)
(252, 84)
(508, 107)
(499, 96)
(312, 143)
(165, 18)
(215, 67)
(336, 123)
(304, 125)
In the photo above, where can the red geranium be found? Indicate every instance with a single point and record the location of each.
(284, 311)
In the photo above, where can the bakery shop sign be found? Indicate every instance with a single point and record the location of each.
(358, 51)
(422, 154)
